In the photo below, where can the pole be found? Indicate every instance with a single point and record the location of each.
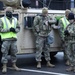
(44, 3)
(37, 3)
(72, 3)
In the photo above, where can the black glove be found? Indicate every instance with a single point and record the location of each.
(66, 33)
(12, 30)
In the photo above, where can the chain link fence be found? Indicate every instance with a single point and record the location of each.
(53, 4)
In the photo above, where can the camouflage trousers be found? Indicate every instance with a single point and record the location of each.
(42, 46)
(71, 52)
(65, 50)
(6, 46)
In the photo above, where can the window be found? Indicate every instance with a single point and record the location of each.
(28, 21)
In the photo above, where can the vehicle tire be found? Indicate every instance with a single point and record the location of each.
(52, 54)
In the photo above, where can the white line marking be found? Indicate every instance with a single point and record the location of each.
(37, 71)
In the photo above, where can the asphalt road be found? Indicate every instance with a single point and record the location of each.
(27, 64)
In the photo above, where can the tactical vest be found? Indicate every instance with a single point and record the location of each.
(65, 22)
(8, 25)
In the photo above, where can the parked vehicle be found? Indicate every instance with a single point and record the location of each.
(26, 38)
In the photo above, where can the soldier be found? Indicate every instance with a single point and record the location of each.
(0, 52)
(70, 32)
(63, 22)
(9, 28)
(41, 29)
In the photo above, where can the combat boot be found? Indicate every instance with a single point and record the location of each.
(38, 64)
(49, 64)
(4, 68)
(15, 67)
(70, 69)
(67, 63)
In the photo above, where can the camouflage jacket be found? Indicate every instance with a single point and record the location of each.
(71, 30)
(42, 25)
(61, 30)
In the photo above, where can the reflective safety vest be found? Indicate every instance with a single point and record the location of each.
(65, 22)
(8, 25)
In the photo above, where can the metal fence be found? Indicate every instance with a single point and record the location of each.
(53, 4)
(60, 5)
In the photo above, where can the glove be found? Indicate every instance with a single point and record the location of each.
(12, 30)
(66, 33)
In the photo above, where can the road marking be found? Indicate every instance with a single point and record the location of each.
(37, 71)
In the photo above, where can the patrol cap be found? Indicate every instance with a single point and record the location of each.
(9, 9)
(44, 10)
(67, 12)
(70, 16)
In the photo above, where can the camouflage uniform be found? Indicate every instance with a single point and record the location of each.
(61, 30)
(71, 44)
(8, 29)
(41, 31)
(9, 43)
(63, 23)
(63, 38)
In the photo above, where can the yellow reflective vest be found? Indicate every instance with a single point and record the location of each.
(65, 22)
(8, 25)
